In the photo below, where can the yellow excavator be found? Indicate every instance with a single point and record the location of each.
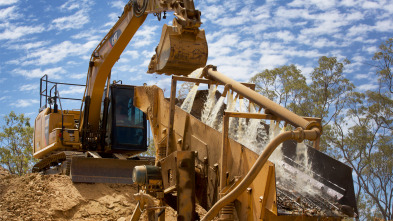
(197, 161)
(95, 143)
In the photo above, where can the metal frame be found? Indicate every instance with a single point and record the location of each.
(173, 98)
(44, 92)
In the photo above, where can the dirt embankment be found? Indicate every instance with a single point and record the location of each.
(55, 197)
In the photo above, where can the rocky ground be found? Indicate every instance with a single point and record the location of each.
(55, 197)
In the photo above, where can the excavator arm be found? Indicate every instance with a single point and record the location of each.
(182, 48)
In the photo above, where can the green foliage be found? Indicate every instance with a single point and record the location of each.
(287, 86)
(357, 127)
(151, 149)
(384, 63)
(284, 85)
(323, 98)
(16, 141)
(327, 94)
(328, 88)
(363, 138)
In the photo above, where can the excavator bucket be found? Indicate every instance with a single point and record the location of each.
(179, 52)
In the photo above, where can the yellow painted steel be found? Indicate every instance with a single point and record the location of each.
(259, 201)
(179, 52)
(49, 127)
(182, 48)
(103, 63)
(259, 99)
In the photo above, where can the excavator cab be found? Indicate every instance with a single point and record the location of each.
(127, 126)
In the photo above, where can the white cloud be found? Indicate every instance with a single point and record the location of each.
(117, 4)
(126, 68)
(9, 13)
(354, 16)
(132, 53)
(370, 49)
(270, 61)
(162, 82)
(326, 24)
(306, 71)
(321, 4)
(324, 42)
(147, 54)
(362, 76)
(233, 21)
(144, 36)
(4, 98)
(365, 87)
(8, 2)
(72, 90)
(360, 29)
(56, 53)
(212, 12)
(285, 36)
(384, 26)
(28, 87)
(138, 77)
(356, 63)
(70, 5)
(113, 17)
(24, 103)
(13, 32)
(242, 16)
(370, 5)
(53, 73)
(74, 21)
(289, 13)
(90, 34)
(78, 76)
(246, 44)
(224, 45)
(28, 46)
(267, 48)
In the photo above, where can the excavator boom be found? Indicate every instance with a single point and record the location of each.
(182, 48)
(105, 133)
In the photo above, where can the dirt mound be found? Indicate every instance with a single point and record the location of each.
(55, 197)
(3, 172)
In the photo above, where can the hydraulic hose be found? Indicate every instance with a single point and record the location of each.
(139, 10)
(298, 135)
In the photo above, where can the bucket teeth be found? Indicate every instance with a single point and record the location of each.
(179, 52)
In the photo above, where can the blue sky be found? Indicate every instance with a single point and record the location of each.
(244, 38)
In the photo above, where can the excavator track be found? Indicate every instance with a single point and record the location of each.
(90, 170)
(60, 161)
(105, 170)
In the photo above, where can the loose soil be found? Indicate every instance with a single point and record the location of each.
(56, 197)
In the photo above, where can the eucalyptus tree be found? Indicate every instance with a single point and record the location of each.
(16, 140)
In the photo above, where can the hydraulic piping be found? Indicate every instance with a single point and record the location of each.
(299, 135)
(211, 73)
